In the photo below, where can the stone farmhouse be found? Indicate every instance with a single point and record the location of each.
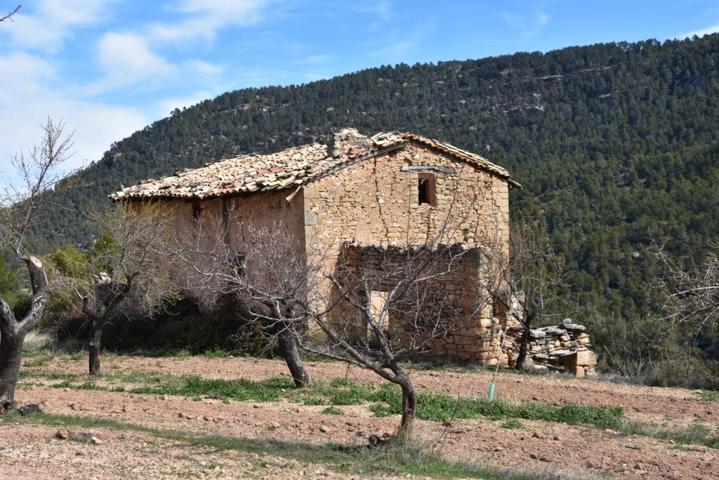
(359, 195)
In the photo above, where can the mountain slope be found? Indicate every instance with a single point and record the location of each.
(614, 144)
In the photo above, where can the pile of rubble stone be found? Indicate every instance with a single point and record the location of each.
(565, 347)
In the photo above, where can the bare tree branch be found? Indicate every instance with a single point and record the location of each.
(10, 13)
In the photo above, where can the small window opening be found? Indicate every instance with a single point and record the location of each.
(427, 189)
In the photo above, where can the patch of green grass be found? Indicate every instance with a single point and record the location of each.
(708, 395)
(440, 407)
(512, 424)
(332, 410)
(88, 385)
(138, 377)
(50, 375)
(77, 356)
(695, 434)
(195, 386)
(387, 398)
(350, 396)
(391, 459)
(39, 359)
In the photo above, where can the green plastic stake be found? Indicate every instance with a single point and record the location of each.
(490, 395)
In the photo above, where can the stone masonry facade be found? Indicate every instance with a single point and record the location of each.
(359, 198)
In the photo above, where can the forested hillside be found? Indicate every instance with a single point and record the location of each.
(615, 144)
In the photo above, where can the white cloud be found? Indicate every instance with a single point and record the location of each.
(207, 17)
(126, 59)
(29, 94)
(47, 26)
(380, 11)
(203, 68)
(527, 27)
(168, 105)
(397, 45)
(96, 126)
(317, 59)
(22, 74)
(701, 32)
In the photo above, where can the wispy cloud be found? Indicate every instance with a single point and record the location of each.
(127, 59)
(169, 104)
(398, 43)
(380, 9)
(47, 25)
(206, 69)
(316, 59)
(701, 32)
(29, 92)
(527, 26)
(204, 18)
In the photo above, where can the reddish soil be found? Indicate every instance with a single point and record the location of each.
(673, 405)
(574, 451)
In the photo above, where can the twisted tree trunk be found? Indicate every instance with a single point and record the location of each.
(94, 346)
(409, 412)
(12, 332)
(108, 295)
(291, 354)
(524, 343)
(10, 360)
(409, 408)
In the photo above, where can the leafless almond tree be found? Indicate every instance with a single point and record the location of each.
(390, 304)
(127, 268)
(265, 278)
(20, 210)
(376, 307)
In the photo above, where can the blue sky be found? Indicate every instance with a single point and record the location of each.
(110, 67)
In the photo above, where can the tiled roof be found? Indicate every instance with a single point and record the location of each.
(289, 168)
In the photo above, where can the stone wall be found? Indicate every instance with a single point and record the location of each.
(375, 204)
(446, 306)
(203, 224)
(565, 347)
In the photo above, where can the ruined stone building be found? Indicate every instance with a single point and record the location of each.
(359, 196)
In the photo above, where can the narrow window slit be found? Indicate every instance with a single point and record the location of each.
(426, 186)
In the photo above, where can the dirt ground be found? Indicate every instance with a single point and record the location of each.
(576, 451)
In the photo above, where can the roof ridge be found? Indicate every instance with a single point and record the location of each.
(297, 165)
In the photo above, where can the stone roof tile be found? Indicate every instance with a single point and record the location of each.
(289, 168)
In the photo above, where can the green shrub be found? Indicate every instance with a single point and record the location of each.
(512, 424)
(332, 410)
(70, 261)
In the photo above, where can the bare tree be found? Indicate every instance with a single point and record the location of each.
(266, 278)
(403, 309)
(375, 307)
(691, 289)
(21, 210)
(533, 280)
(9, 15)
(127, 268)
